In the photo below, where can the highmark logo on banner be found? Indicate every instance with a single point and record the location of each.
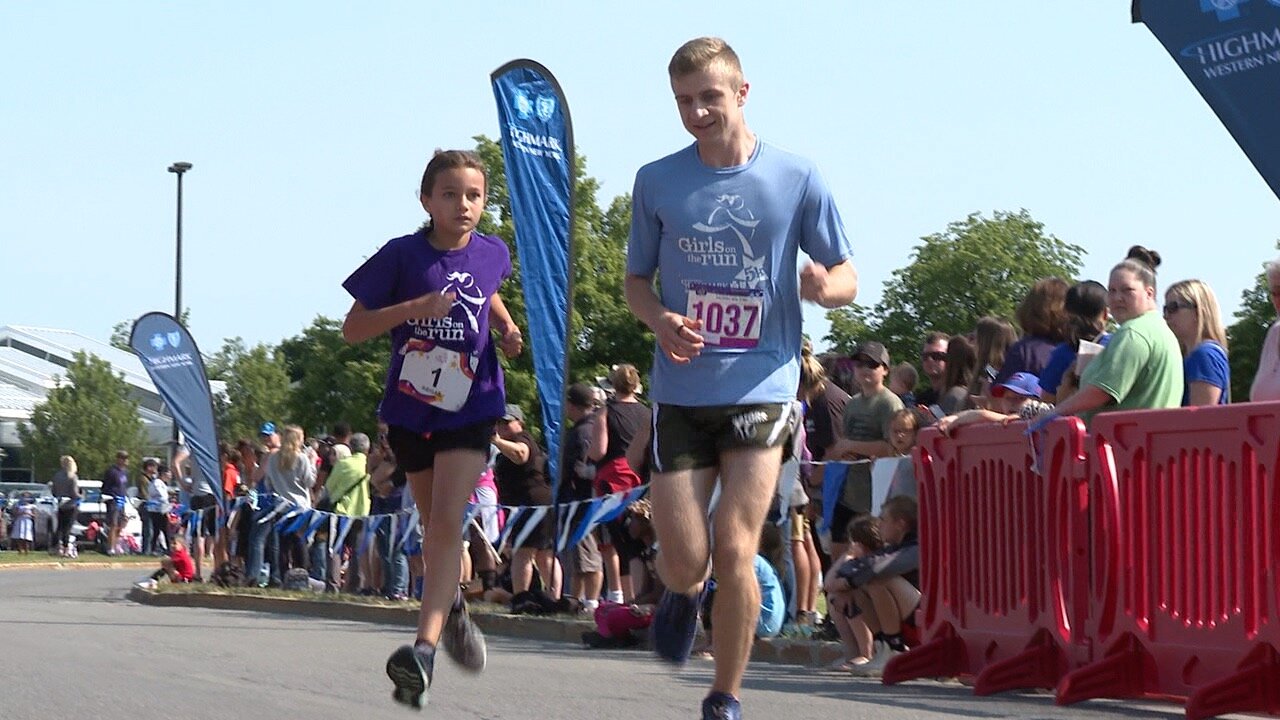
(160, 341)
(530, 141)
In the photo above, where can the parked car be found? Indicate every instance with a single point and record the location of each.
(93, 509)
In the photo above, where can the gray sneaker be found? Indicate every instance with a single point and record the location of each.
(462, 640)
(411, 668)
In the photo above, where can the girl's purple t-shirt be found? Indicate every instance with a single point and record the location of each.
(444, 372)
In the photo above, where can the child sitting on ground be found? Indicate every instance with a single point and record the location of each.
(178, 566)
(1017, 398)
(883, 584)
(862, 536)
(619, 625)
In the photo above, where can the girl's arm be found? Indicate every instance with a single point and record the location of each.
(968, 417)
(362, 323)
(510, 341)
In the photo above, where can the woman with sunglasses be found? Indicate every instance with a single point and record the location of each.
(1141, 368)
(1191, 311)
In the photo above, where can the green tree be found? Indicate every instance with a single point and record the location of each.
(332, 380)
(850, 325)
(257, 388)
(88, 415)
(1246, 335)
(976, 266)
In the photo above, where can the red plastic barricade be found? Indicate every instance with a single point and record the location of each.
(1186, 559)
(1003, 557)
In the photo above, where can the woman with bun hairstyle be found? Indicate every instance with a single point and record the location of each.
(1142, 365)
(1191, 311)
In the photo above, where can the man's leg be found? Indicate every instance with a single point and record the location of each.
(680, 500)
(522, 569)
(549, 571)
(749, 477)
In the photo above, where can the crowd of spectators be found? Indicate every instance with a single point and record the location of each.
(1084, 348)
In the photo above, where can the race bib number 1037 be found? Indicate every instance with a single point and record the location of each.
(730, 318)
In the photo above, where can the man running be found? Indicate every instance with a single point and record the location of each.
(720, 224)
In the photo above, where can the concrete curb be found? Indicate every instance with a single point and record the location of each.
(784, 651)
(104, 565)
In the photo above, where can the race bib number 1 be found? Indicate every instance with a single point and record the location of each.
(435, 375)
(730, 318)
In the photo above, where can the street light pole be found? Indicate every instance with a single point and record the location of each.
(178, 169)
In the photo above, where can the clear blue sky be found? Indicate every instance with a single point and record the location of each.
(309, 124)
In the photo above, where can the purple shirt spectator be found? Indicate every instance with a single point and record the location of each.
(1028, 355)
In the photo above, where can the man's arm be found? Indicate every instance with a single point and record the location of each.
(599, 444)
(675, 334)
(830, 287)
(514, 450)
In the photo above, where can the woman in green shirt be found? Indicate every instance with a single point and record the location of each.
(1141, 368)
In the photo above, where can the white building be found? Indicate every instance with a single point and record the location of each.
(32, 360)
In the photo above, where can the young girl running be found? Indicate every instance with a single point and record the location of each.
(436, 292)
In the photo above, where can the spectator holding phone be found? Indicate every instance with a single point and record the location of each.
(992, 338)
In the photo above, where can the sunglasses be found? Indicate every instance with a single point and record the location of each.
(934, 356)
(1173, 307)
(865, 363)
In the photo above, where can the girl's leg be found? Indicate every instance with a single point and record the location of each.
(854, 635)
(441, 495)
(815, 577)
(801, 560)
(612, 571)
(869, 615)
(464, 577)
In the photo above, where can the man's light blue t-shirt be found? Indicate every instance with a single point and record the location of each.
(724, 245)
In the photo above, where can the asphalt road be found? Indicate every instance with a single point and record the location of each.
(73, 647)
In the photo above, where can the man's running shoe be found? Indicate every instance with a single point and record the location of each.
(721, 706)
(462, 640)
(675, 624)
(410, 668)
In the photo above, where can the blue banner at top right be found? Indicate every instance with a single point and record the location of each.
(1230, 49)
